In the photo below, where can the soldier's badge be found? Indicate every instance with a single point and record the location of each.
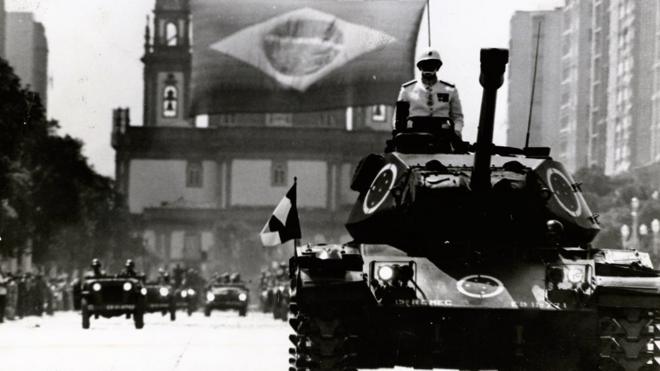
(443, 97)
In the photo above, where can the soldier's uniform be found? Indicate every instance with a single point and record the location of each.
(437, 100)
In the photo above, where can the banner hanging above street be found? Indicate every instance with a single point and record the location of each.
(301, 55)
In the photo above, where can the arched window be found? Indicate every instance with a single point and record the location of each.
(171, 34)
(170, 97)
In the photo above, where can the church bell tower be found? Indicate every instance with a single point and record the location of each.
(167, 64)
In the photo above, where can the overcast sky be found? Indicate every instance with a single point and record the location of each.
(95, 48)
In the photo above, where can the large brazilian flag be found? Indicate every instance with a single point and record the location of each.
(301, 55)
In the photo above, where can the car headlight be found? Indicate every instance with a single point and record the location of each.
(143, 291)
(128, 286)
(385, 272)
(242, 297)
(191, 292)
(210, 296)
(96, 286)
(164, 291)
(575, 274)
(184, 293)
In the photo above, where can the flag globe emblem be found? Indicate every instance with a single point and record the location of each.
(300, 47)
(379, 189)
(480, 286)
(563, 191)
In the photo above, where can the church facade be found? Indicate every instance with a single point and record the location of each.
(200, 188)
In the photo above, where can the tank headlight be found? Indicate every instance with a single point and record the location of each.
(385, 273)
(575, 274)
(128, 286)
(191, 292)
(242, 297)
(164, 291)
(143, 291)
(184, 293)
(210, 296)
(96, 286)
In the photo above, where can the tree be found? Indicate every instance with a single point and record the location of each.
(49, 194)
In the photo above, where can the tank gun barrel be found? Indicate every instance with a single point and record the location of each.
(493, 64)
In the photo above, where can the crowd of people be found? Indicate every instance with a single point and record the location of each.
(27, 294)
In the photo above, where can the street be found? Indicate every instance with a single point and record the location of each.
(222, 342)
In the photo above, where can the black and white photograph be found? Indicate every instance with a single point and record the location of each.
(329, 185)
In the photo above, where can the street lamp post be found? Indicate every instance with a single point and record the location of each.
(655, 228)
(643, 237)
(625, 233)
(634, 238)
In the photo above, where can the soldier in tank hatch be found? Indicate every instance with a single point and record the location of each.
(428, 97)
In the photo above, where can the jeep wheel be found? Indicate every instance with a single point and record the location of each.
(85, 313)
(242, 312)
(138, 319)
(172, 314)
(207, 312)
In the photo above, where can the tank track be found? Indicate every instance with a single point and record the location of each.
(321, 342)
(629, 339)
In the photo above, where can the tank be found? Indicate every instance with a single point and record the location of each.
(470, 256)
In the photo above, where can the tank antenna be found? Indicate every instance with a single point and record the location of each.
(531, 99)
(428, 20)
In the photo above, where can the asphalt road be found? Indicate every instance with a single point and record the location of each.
(223, 342)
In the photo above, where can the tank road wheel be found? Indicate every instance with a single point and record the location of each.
(84, 310)
(627, 339)
(319, 344)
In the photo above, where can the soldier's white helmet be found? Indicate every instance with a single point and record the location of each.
(429, 56)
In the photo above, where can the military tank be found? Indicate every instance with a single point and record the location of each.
(471, 256)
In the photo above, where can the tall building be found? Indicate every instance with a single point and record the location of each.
(575, 84)
(655, 128)
(598, 97)
(545, 107)
(631, 52)
(608, 103)
(3, 28)
(26, 51)
(201, 189)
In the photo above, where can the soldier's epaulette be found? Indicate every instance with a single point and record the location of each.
(448, 84)
(408, 83)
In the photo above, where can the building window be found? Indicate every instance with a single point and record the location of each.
(278, 174)
(378, 113)
(194, 175)
(171, 34)
(279, 119)
(192, 246)
(170, 97)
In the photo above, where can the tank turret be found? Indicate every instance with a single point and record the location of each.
(415, 198)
